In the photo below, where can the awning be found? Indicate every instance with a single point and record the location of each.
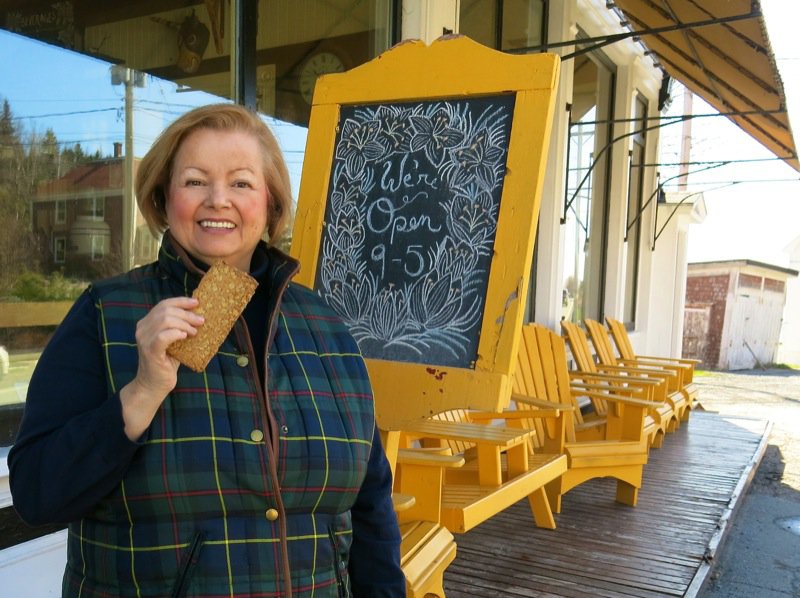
(719, 50)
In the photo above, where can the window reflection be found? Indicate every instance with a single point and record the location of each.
(63, 178)
(87, 87)
(633, 226)
(90, 86)
(506, 25)
(587, 192)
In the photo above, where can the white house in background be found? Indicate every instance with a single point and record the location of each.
(789, 348)
(734, 311)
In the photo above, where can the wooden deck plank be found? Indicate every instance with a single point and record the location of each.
(602, 548)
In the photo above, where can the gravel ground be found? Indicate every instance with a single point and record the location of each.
(760, 556)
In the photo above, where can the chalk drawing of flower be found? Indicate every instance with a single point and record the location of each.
(434, 303)
(358, 145)
(389, 312)
(477, 161)
(457, 260)
(395, 131)
(347, 231)
(470, 223)
(435, 135)
(350, 298)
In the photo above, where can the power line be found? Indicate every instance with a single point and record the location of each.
(58, 114)
(735, 182)
(705, 162)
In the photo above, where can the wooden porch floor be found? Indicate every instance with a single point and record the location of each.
(662, 547)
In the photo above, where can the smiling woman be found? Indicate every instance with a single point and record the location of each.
(298, 446)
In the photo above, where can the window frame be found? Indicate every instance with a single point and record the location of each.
(602, 192)
(60, 211)
(59, 240)
(633, 222)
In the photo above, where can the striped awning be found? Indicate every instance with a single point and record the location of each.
(720, 51)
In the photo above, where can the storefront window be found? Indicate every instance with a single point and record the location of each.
(90, 86)
(633, 231)
(508, 25)
(586, 202)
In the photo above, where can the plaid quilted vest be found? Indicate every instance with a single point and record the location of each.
(232, 493)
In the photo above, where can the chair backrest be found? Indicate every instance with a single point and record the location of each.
(620, 335)
(582, 354)
(579, 345)
(542, 373)
(602, 344)
(528, 381)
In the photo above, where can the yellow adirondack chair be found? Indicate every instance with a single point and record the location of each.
(427, 548)
(600, 424)
(671, 375)
(500, 470)
(543, 373)
(685, 367)
(653, 389)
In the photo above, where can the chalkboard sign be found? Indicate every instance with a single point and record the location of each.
(416, 217)
(410, 224)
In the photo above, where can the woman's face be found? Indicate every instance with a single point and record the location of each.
(217, 196)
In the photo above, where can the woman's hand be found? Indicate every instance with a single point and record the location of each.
(157, 373)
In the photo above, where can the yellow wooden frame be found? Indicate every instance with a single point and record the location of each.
(453, 67)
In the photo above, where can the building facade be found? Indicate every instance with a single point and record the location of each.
(734, 313)
(119, 72)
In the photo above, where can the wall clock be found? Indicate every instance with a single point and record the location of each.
(318, 64)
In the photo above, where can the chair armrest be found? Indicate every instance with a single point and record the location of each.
(498, 436)
(542, 404)
(614, 398)
(575, 385)
(671, 369)
(636, 380)
(681, 360)
(402, 502)
(511, 415)
(661, 363)
(636, 369)
(426, 457)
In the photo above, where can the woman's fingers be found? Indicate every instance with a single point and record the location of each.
(170, 320)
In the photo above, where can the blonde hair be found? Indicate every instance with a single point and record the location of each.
(155, 169)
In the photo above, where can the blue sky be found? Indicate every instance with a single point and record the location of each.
(80, 104)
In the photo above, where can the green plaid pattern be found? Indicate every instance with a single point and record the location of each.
(189, 518)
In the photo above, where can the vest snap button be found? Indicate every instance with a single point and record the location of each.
(242, 361)
(256, 435)
(272, 514)
(284, 429)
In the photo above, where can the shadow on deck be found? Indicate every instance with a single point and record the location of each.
(662, 547)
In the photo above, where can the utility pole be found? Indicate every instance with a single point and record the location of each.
(686, 141)
(129, 209)
(130, 79)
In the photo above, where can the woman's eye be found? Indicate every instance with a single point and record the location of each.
(242, 184)
(193, 183)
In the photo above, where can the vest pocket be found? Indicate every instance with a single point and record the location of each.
(188, 564)
(339, 566)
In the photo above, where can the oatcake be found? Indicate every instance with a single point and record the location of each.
(223, 294)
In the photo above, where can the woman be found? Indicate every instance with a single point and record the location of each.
(263, 475)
